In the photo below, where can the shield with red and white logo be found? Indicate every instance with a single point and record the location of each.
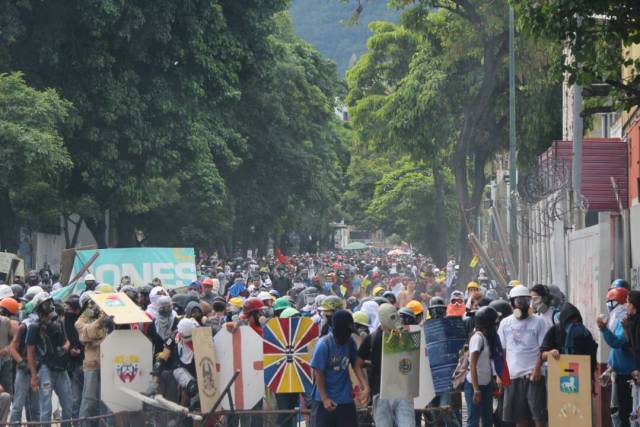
(126, 360)
(240, 350)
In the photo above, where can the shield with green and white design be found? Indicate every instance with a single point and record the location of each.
(400, 374)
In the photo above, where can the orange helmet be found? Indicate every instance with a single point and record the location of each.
(615, 294)
(11, 305)
(415, 306)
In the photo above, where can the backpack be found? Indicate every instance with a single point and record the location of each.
(462, 368)
(578, 340)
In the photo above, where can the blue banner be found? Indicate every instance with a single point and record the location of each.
(444, 337)
(175, 267)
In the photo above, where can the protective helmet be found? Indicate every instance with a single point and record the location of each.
(319, 300)
(620, 283)
(281, 303)
(513, 283)
(31, 292)
(131, 292)
(416, 307)
(381, 300)
(519, 291)
(104, 288)
(331, 303)
(236, 302)
(85, 298)
(407, 317)
(89, 277)
(436, 302)
(11, 305)
(502, 307)
(265, 296)
(390, 296)
(289, 312)
(18, 290)
(186, 327)
(352, 303)
(486, 316)
(5, 291)
(473, 285)
(274, 293)
(388, 316)
(361, 318)
(40, 299)
(618, 294)
(377, 291)
(251, 305)
(207, 282)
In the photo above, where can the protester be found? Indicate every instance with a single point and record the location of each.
(521, 335)
(333, 404)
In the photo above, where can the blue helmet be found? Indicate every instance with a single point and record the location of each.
(620, 283)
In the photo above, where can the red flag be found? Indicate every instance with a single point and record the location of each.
(281, 258)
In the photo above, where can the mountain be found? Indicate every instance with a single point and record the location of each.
(325, 24)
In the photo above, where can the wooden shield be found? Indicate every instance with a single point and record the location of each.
(120, 306)
(126, 360)
(240, 350)
(205, 367)
(400, 374)
(569, 391)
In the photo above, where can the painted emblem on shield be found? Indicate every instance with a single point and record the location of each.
(405, 366)
(127, 367)
(208, 380)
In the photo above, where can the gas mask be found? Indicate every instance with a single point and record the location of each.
(92, 311)
(164, 310)
(361, 330)
(522, 309)
(612, 304)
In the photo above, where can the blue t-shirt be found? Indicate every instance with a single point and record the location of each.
(334, 360)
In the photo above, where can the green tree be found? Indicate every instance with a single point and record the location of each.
(34, 157)
(598, 35)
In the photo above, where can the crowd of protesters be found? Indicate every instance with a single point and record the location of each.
(50, 345)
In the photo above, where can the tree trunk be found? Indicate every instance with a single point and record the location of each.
(97, 227)
(441, 248)
(9, 233)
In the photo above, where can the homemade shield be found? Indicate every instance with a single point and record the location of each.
(126, 359)
(426, 392)
(569, 391)
(287, 349)
(444, 339)
(240, 350)
(120, 306)
(205, 367)
(400, 365)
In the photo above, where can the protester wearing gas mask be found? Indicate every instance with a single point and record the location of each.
(541, 304)
(47, 348)
(93, 326)
(386, 412)
(521, 335)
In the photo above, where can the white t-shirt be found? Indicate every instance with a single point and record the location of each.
(547, 317)
(485, 365)
(521, 339)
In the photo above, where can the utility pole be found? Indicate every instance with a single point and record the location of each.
(513, 209)
(576, 166)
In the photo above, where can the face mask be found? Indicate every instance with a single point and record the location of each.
(90, 313)
(611, 305)
(262, 320)
(164, 311)
(208, 293)
(522, 311)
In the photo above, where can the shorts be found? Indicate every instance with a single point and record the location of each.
(525, 400)
(344, 415)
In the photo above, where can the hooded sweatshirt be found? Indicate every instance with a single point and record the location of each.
(620, 357)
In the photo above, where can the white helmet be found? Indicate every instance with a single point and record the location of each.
(265, 296)
(31, 292)
(5, 291)
(519, 291)
(40, 298)
(186, 327)
(89, 277)
(85, 297)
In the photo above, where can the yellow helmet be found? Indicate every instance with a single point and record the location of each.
(415, 306)
(104, 288)
(236, 302)
(514, 283)
(377, 291)
(473, 285)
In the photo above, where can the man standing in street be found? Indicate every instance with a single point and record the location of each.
(333, 404)
(521, 335)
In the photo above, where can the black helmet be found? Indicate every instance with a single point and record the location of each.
(352, 303)
(437, 302)
(18, 291)
(486, 317)
(390, 296)
(407, 317)
(145, 289)
(381, 300)
(502, 307)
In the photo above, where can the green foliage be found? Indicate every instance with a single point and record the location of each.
(33, 154)
(326, 24)
(598, 34)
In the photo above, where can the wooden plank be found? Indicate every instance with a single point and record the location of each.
(120, 306)
(205, 368)
(569, 391)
